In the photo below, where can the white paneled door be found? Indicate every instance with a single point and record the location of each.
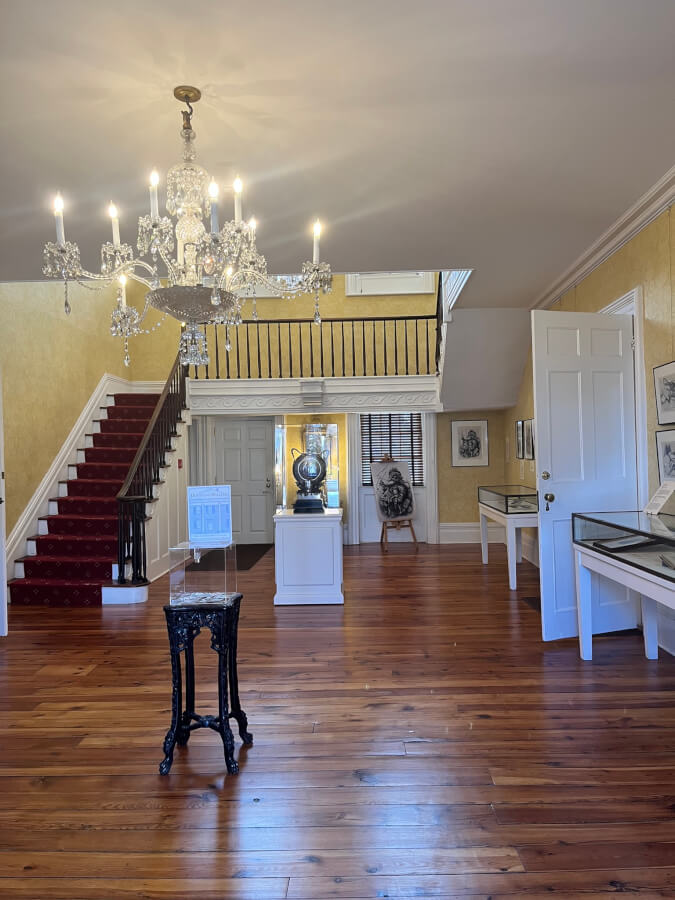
(244, 458)
(3, 540)
(584, 404)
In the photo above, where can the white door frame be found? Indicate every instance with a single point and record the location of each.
(430, 475)
(631, 304)
(3, 543)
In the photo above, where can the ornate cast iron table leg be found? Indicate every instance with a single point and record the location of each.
(221, 645)
(189, 711)
(176, 707)
(237, 712)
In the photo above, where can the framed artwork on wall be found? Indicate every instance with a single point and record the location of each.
(528, 439)
(664, 388)
(665, 451)
(520, 439)
(470, 443)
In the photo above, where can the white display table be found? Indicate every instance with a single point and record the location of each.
(308, 557)
(648, 587)
(512, 523)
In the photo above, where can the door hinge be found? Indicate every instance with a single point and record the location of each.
(632, 343)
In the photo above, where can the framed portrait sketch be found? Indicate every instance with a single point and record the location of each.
(470, 443)
(664, 387)
(528, 440)
(665, 451)
(392, 486)
(520, 439)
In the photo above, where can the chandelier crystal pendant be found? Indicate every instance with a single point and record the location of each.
(213, 271)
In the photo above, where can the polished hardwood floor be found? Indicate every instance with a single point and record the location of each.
(420, 742)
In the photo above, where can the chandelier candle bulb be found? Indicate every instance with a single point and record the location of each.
(58, 218)
(317, 236)
(238, 188)
(123, 289)
(213, 194)
(112, 212)
(154, 203)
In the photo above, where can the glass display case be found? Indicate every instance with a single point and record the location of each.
(509, 498)
(292, 441)
(201, 574)
(640, 540)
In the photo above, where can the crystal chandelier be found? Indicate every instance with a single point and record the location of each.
(213, 272)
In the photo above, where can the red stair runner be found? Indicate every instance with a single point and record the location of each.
(75, 558)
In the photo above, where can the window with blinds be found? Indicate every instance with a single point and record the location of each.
(398, 435)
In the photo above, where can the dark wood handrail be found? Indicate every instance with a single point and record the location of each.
(144, 473)
(122, 493)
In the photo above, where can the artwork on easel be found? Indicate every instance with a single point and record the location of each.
(394, 498)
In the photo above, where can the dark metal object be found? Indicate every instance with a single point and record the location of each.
(183, 625)
(309, 471)
(144, 473)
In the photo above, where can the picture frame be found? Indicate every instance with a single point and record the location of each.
(664, 390)
(528, 439)
(469, 439)
(393, 490)
(665, 452)
(520, 439)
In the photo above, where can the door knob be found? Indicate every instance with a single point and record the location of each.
(546, 475)
(549, 498)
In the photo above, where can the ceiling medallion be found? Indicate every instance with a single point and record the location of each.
(213, 272)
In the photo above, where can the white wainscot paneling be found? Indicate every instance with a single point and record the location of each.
(168, 525)
(370, 526)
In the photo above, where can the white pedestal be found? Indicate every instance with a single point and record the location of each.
(308, 557)
(512, 524)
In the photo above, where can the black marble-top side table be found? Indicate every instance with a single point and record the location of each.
(184, 622)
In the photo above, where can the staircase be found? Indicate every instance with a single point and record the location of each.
(75, 549)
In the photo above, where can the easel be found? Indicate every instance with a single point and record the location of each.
(387, 525)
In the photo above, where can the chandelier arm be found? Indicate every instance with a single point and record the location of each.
(168, 262)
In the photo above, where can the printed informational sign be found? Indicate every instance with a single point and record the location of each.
(210, 515)
(660, 502)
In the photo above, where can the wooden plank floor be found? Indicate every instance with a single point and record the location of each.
(420, 742)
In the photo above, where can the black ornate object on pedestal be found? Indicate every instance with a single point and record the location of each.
(183, 624)
(309, 471)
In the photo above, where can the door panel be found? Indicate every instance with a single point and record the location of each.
(3, 556)
(585, 423)
(244, 458)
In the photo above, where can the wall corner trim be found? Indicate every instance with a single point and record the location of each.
(656, 200)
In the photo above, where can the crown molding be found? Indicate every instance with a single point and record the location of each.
(657, 199)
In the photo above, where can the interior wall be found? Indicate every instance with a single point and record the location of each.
(51, 364)
(458, 485)
(647, 261)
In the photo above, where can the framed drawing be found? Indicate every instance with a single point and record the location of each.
(664, 388)
(470, 443)
(392, 486)
(665, 451)
(528, 440)
(520, 439)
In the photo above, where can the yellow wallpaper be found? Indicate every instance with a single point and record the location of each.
(51, 364)
(646, 261)
(458, 485)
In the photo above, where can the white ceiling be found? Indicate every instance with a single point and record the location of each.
(498, 135)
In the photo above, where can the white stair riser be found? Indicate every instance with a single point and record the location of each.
(18, 570)
(31, 548)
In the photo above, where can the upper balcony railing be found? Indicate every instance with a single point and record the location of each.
(337, 348)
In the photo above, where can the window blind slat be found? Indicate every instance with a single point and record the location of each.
(395, 434)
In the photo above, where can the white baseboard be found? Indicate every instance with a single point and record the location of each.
(38, 505)
(468, 533)
(113, 596)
